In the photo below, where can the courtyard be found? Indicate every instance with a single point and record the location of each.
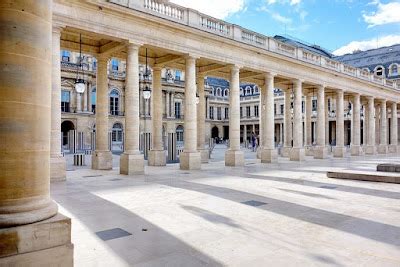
(284, 214)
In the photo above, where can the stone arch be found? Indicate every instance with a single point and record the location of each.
(66, 126)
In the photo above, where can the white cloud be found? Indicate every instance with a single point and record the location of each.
(216, 8)
(291, 2)
(281, 19)
(385, 14)
(387, 40)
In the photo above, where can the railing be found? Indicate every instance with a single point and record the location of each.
(166, 9)
(207, 23)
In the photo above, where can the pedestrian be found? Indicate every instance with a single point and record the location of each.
(253, 141)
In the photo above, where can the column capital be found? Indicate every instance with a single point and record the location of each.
(234, 67)
(102, 57)
(133, 46)
(297, 82)
(270, 75)
(191, 56)
(157, 68)
(57, 28)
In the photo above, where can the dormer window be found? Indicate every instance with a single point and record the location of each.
(394, 70)
(379, 71)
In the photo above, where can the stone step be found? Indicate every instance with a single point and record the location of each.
(366, 176)
(388, 167)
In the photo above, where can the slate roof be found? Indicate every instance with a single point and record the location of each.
(301, 44)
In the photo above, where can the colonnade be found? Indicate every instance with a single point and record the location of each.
(195, 152)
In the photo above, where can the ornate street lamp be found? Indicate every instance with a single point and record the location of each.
(79, 82)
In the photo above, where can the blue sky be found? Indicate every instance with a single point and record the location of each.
(340, 26)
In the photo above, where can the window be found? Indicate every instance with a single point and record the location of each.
(302, 106)
(256, 90)
(248, 112)
(241, 112)
(65, 100)
(178, 75)
(329, 104)
(256, 110)
(117, 131)
(314, 105)
(211, 112)
(179, 133)
(114, 102)
(93, 97)
(114, 64)
(218, 92)
(226, 113)
(248, 90)
(65, 56)
(379, 71)
(241, 91)
(219, 113)
(178, 114)
(275, 109)
(282, 109)
(394, 70)
(226, 92)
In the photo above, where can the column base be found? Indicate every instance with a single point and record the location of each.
(393, 149)
(285, 152)
(190, 161)
(269, 156)
(205, 155)
(370, 150)
(355, 150)
(157, 158)
(382, 149)
(44, 243)
(131, 164)
(339, 151)
(309, 150)
(320, 152)
(102, 160)
(297, 154)
(234, 158)
(58, 167)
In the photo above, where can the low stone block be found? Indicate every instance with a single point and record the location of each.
(388, 168)
(382, 149)
(190, 160)
(355, 150)
(102, 160)
(392, 149)
(205, 155)
(297, 154)
(131, 164)
(309, 150)
(234, 158)
(320, 152)
(285, 152)
(339, 152)
(45, 243)
(58, 169)
(269, 156)
(370, 150)
(370, 177)
(157, 158)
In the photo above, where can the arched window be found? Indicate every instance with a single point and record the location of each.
(212, 91)
(241, 91)
(93, 98)
(365, 69)
(256, 90)
(117, 132)
(394, 70)
(114, 102)
(226, 92)
(248, 90)
(179, 133)
(218, 93)
(379, 71)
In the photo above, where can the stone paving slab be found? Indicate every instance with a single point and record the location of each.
(366, 176)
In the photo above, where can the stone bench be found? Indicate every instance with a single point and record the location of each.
(366, 176)
(388, 167)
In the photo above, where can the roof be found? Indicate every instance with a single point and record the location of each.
(301, 44)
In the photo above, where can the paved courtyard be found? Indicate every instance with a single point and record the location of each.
(285, 214)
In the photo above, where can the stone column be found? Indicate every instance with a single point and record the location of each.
(377, 123)
(89, 109)
(308, 120)
(355, 147)
(57, 161)
(383, 146)
(201, 120)
(339, 150)
(167, 105)
(102, 157)
(85, 98)
(78, 102)
(297, 153)
(29, 224)
(393, 130)
(131, 161)
(326, 123)
(234, 156)
(287, 146)
(371, 148)
(320, 151)
(190, 158)
(157, 155)
(268, 153)
(245, 135)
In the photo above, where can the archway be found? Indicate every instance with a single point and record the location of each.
(66, 126)
(214, 132)
(117, 137)
(179, 133)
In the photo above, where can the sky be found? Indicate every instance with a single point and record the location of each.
(340, 26)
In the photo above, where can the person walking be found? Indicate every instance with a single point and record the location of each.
(253, 141)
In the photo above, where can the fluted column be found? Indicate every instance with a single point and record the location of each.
(339, 150)
(157, 155)
(308, 120)
(268, 153)
(234, 156)
(371, 148)
(394, 129)
(320, 152)
(355, 147)
(190, 158)
(201, 120)
(102, 157)
(297, 152)
(57, 161)
(383, 146)
(287, 146)
(131, 161)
